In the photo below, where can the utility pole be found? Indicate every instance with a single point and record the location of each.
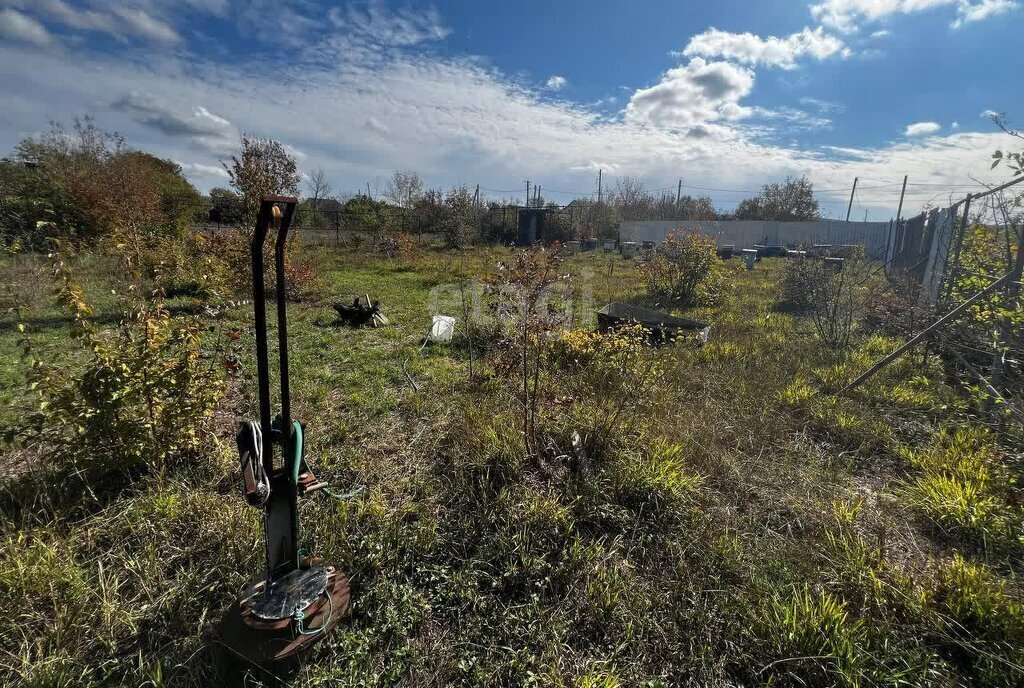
(865, 214)
(679, 192)
(527, 203)
(599, 185)
(850, 206)
(368, 191)
(476, 197)
(536, 196)
(900, 208)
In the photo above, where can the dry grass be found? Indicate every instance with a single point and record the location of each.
(743, 528)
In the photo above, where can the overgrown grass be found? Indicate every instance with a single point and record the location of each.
(744, 526)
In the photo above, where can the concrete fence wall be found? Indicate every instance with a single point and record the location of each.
(872, 236)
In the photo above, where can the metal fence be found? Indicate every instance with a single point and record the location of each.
(966, 262)
(339, 226)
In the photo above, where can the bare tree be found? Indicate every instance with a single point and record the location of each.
(629, 191)
(404, 188)
(633, 199)
(318, 186)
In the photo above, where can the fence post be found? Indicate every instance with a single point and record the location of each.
(960, 241)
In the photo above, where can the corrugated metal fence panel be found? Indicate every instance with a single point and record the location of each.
(747, 233)
(920, 246)
(938, 251)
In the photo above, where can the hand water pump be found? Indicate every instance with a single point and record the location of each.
(298, 599)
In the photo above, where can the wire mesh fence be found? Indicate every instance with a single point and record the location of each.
(373, 222)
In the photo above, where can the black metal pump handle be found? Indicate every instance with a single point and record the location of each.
(282, 329)
(280, 516)
(263, 221)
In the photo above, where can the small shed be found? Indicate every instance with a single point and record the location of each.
(531, 225)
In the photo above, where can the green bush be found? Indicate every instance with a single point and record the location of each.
(189, 266)
(604, 379)
(800, 278)
(144, 395)
(685, 270)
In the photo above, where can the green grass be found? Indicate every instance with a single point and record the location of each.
(743, 527)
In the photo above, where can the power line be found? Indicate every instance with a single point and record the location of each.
(965, 185)
(924, 195)
(484, 188)
(572, 193)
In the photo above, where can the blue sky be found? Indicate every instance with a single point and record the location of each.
(725, 95)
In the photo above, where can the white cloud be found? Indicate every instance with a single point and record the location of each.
(375, 125)
(922, 129)
(968, 12)
(16, 26)
(75, 18)
(203, 170)
(795, 119)
(772, 51)
(142, 24)
(845, 15)
(404, 27)
(882, 33)
(693, 94)
(120, 22)
(557, 83)
(295, 152)
(360, 112)
(822, 105)
(848, 15)
(202, 114)
(954, 126)
(200, 125)
(215, 7)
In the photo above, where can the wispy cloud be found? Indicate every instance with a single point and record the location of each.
(118, 20)
(198, 124)
(20, 27)
(849, 15)
(403, 27)
(794, 118)
(968, 12)
(822, 105)
(373, 95)
(142, 24)
(203, 170)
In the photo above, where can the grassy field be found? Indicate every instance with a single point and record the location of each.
(741, 525)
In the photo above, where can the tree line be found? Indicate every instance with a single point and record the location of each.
(86, 184)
